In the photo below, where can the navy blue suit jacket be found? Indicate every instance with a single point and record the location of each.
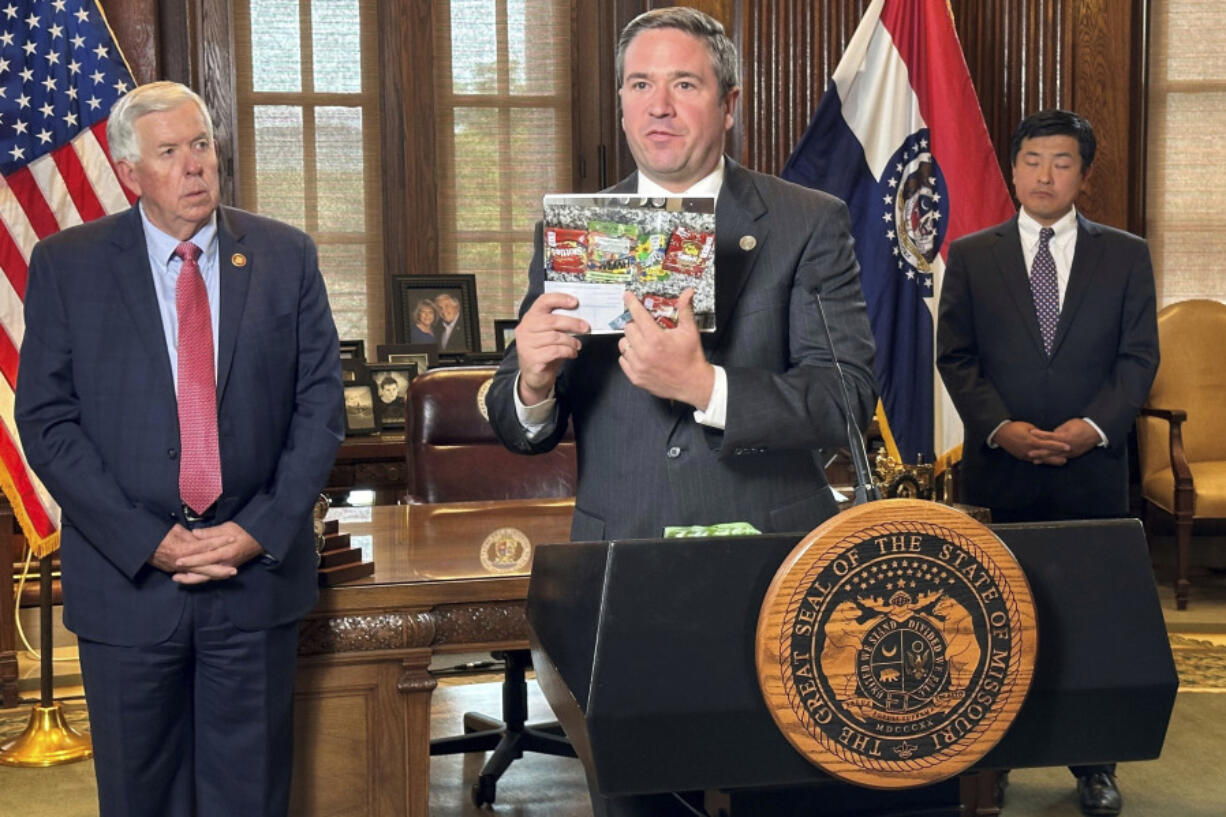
(1104, 356)
(97, 415)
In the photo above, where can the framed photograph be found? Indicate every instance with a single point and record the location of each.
(353, 371)
(504, 333)
(353, 350)
(426, 357)
(390, 382)
(436, 310)
(360, 410)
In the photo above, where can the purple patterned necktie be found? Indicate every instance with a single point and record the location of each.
(1045, 288)
(200, 459)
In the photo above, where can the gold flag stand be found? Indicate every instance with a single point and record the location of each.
(48, 740)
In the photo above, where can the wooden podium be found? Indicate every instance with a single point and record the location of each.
(645, 650)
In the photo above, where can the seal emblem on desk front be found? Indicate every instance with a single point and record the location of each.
(506, 550)
(896, 643)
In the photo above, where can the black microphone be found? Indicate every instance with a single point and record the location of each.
(866, 489)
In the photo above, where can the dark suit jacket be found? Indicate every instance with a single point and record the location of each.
(643, 462)
(97, 414)
(1104, 356)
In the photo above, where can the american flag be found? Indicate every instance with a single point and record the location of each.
(60, 73)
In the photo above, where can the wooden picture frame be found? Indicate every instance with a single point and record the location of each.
(425, 356)
(414, 297)
(354, 349)
(359, 406)
(353, 371)
(504, 333)
(390, 384)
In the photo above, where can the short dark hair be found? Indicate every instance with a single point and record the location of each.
(694, 22)
(1057, 122)
(388, 380)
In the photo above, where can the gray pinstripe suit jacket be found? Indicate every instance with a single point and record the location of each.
(643, 462)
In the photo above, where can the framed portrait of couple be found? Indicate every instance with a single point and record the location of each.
(438, 311)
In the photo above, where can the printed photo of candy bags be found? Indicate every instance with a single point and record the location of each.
(598, 246)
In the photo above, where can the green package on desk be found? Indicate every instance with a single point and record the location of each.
(722, 529)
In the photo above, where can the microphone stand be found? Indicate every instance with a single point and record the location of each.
(866, 490)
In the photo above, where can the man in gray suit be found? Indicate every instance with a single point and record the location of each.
(675, 427)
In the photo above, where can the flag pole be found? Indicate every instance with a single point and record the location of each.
(48, 740)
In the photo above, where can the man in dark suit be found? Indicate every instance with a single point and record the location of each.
(674, 427)
(186, 476)
(450, 332)
(1047, 342)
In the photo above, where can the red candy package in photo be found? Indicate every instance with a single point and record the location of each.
(663, 309)
(566, 250)
(689, 252)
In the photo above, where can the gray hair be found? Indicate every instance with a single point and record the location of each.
(692, 21)
(154, 97)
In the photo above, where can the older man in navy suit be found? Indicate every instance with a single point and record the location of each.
(180, 396)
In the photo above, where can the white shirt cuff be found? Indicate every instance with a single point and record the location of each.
(716, 412)
(1102, 438)
(538, 420)
(992, 436)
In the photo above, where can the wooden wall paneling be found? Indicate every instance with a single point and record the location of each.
(1103, 74)
(135, 24)
(212, 67)
(789, 50)
(410, 192)
(175, 40)
(594, 120)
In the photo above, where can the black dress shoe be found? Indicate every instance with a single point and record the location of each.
(1099, 795)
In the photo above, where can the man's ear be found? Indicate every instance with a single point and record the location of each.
(729, 105)
(127, 174)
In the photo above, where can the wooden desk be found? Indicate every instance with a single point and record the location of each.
(362, 699)
(375, 463)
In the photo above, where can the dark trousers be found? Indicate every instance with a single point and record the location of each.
(199, 725)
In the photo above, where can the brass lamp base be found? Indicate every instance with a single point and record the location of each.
(47, 741)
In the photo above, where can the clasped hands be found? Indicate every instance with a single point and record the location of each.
(204, 554)
(1067, 441)
(668, 363)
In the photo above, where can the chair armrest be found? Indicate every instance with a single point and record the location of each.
(1185, 492)
(1170, 415)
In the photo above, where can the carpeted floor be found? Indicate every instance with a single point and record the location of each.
(1186, 781)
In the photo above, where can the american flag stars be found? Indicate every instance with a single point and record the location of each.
(59, 74)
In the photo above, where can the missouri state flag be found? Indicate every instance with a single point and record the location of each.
(900, 137)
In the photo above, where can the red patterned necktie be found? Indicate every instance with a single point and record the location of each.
(199, 461)
(1045, 288)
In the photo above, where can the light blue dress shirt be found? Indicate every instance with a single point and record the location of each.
(166, 265)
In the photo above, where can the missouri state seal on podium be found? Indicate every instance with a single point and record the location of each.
(896, 643)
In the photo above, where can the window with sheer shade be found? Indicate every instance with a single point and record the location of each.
(503, 131)
(1186, 200)
(308, 139)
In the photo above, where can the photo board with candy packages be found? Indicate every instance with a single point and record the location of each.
(598, 246)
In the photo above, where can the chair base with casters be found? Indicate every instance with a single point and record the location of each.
(508, 739)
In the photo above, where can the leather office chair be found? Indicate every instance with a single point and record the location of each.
(455, 457)
(1180, 441)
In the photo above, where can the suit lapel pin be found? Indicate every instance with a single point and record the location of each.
(748, 242)
(238, 259)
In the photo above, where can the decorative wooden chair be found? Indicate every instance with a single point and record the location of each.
(455, 457)
(1181, 433)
